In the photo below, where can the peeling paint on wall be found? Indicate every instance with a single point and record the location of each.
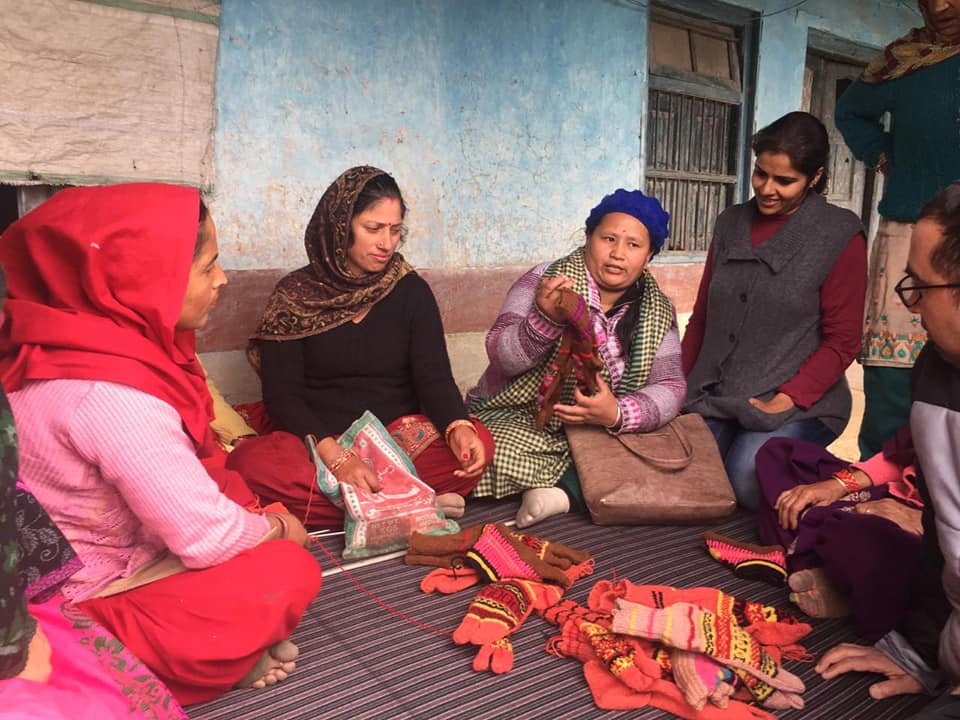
(504, 121)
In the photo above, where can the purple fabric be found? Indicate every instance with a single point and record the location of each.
(870, 559)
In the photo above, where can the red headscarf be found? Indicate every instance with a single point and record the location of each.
(96, 282)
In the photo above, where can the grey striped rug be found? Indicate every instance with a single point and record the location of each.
(357, 660)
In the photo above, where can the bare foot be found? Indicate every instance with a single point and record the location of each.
(276, 664)
(816, 595)
(452, 505)
(540, 503)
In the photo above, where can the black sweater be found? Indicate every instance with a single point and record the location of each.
(393, 363)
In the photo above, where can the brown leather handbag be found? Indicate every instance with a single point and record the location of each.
(670, 476)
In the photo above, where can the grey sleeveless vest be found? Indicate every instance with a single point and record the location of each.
(763, 315)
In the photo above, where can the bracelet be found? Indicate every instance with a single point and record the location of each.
(454, 425)
(846, 478)
(618, 421)
(341, 459)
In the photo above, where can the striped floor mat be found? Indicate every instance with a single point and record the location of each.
(360, 660)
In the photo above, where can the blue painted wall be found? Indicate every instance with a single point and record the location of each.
(503, 120)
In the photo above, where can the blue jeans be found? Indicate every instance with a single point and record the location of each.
(738, 448)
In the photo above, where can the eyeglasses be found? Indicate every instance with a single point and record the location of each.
(910, 294)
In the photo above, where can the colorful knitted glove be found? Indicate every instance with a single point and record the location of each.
(499, 554)
(686, 626)
(496, 611)
(577, 354)
(558, 555)
(445, 551)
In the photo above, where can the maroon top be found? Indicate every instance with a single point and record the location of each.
(841, 316)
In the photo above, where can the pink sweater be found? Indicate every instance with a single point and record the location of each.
(115, 470)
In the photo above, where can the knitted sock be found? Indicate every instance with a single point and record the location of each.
(816, 595)
(541, 503)
(701, 678)
(497, 657)
(611, 694)
(447, 581)
(687, 627)
(766, 563)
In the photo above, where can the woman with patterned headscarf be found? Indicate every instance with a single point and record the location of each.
(357, 329)
(916, 79)
(630, 382)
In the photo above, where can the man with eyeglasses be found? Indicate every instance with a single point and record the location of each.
(923, 653)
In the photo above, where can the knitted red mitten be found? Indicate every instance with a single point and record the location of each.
(447, 581)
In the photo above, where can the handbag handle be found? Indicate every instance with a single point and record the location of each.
(666, 463)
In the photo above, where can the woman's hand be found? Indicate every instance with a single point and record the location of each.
(465, 444)
(356, 472)
(908, 518)
(351, 470)
(290, 527)
(781, 402)
(791, 503)
(600, 409)
(848, 657)
(38, 666)
(548, 295)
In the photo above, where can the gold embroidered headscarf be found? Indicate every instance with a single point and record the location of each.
(917, 49)
(324, 295)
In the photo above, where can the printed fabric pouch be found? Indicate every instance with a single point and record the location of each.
(381, 522)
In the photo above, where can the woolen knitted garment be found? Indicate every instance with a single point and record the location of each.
(521, 337)
(764, 315)
(120, 478)
(921, 147)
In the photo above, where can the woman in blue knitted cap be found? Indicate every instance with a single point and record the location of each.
(599, 310)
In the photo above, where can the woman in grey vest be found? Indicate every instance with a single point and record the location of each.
(778, 315)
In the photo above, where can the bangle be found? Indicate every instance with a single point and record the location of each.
(454, 425)
(341, 459)
(846, 478)
(618, 421)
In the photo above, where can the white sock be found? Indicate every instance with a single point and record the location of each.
(452, 505)
(540, 503)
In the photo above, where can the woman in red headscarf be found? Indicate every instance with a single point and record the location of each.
(106, 288)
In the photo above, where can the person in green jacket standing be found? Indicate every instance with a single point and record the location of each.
(917, 80)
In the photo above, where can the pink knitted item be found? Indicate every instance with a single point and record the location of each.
(766, 563)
